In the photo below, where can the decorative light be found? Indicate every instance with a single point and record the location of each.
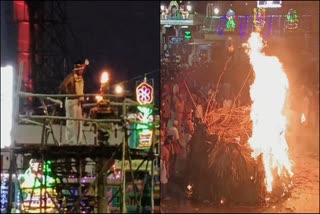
(216, 11)
(292, 19)
(6, 105)
(144, 93)
(189, 8)
(119, 89)
(31, 182)
(231, 25)
(104, 77)
(259, 15)
(144, 126)
(145, 114)
(162, 8)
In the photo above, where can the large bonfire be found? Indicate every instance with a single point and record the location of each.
(247, 157)
(268, 94)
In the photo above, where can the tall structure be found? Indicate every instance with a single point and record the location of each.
(42, 43)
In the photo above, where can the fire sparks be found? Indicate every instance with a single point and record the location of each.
(303, 119)
(268, 93)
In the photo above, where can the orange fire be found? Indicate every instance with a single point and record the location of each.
(268, 94)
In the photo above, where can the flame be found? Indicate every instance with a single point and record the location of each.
(99, 98)
(268, 93)
(303, 118)
(104, 77)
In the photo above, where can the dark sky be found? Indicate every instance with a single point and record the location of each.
(121, 36)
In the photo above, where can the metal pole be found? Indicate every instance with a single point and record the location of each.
(79, 162)
(123, 170)
(102, 200)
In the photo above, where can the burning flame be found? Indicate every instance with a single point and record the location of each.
(268, 93)
(104, 77)
(99, 98)
(303, 118)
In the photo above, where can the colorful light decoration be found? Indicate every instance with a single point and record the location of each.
(231, 25)
(292, 20)
(144, 126)
(36, 186)
(4, 194)
(144, 93)
(259, 16)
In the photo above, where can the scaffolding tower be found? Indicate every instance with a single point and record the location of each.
(75, 190)
(49, 50)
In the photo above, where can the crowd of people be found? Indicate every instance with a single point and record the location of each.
(187, 81)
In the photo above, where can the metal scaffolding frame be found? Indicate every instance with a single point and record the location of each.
(102, 156)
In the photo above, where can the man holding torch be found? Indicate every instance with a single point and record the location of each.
(73, 84)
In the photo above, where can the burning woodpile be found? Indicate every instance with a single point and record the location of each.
(247, 158)
(231, 125)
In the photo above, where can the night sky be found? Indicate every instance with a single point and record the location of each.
(120, 36)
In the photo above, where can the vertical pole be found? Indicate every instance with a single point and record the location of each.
(123, 170)
(44, 171)
(152, 167)
(102, 200)
(80, 179)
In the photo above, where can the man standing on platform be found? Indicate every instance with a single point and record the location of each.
(73, 84)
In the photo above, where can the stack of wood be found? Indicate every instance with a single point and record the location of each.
(230, 124)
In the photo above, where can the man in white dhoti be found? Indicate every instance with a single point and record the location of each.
(74, 84)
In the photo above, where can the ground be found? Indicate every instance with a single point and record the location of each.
(304, 198)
